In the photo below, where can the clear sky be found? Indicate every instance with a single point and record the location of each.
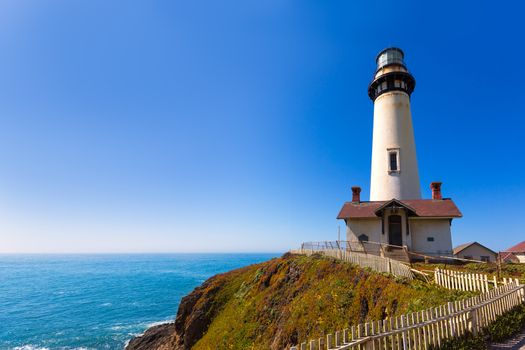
(163, 126)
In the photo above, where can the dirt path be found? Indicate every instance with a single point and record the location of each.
(515, 343)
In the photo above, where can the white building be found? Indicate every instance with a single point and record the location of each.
(475, 251)
(516, 253)
(396, 214)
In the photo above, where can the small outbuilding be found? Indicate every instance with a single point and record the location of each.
(420, 225)
(508, 257)
(518, 251)
(475, 251)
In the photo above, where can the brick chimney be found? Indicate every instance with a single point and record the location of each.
(436, 190)
(356, 194)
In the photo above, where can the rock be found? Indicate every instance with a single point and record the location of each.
(157, 337)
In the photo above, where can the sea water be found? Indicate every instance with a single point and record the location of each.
(98, 301)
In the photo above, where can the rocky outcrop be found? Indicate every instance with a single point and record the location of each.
(196, 312)
(280, 302)
(161, 337)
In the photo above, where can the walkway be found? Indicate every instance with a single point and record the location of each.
(516, 343)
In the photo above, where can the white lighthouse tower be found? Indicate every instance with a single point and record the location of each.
(394, 164)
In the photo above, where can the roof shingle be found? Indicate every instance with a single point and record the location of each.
(423, 208)
(518, 248)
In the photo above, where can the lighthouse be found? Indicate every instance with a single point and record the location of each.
(396, 216)
(394, 171)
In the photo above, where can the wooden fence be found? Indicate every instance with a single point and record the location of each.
(421, 330)
(376, 263)
(465, 281)
(384, 250)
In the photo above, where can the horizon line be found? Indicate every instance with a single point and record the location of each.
(142, 253)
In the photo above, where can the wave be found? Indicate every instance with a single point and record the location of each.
(148, 326)
(158, 323)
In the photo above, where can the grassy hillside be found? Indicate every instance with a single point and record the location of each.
(294, 298)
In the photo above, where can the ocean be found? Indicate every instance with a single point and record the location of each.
(63, 302)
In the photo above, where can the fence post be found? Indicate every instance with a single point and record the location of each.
(451, 319)
(403, 335)
(474, 321)
(321, 343)
(329, 341)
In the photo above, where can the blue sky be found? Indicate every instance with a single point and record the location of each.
(160, 126)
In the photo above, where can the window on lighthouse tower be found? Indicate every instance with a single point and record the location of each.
(393, 160)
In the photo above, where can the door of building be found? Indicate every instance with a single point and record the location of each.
(395, 234)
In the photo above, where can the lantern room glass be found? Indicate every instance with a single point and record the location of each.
(390, 56)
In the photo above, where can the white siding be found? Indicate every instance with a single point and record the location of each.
(521, 257)
(370, 227)
(393, 130)
(475, 251)
(439, 229)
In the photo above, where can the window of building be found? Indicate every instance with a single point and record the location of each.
(485, 258)
(393, 160)
(363, 238)
(468, 257)
(430, 239)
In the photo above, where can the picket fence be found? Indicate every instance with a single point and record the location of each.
(463, 280)
(425, 329)
(376, 263)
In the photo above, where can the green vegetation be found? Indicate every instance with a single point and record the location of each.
(503, 328)
(295, 298)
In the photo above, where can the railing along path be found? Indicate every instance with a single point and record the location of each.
(376, 263)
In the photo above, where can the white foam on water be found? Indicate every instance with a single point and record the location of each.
(148, 326)
(158, 323)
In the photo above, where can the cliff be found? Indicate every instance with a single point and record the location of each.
(283, 301)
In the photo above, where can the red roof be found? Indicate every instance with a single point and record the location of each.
(518, 248)
(421, 207)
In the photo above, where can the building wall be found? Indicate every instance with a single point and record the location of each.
(417, 239)
(370, 227)
(406, 239)
(521, 257)
(393, 130)
(475, 252)
(439, 229)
